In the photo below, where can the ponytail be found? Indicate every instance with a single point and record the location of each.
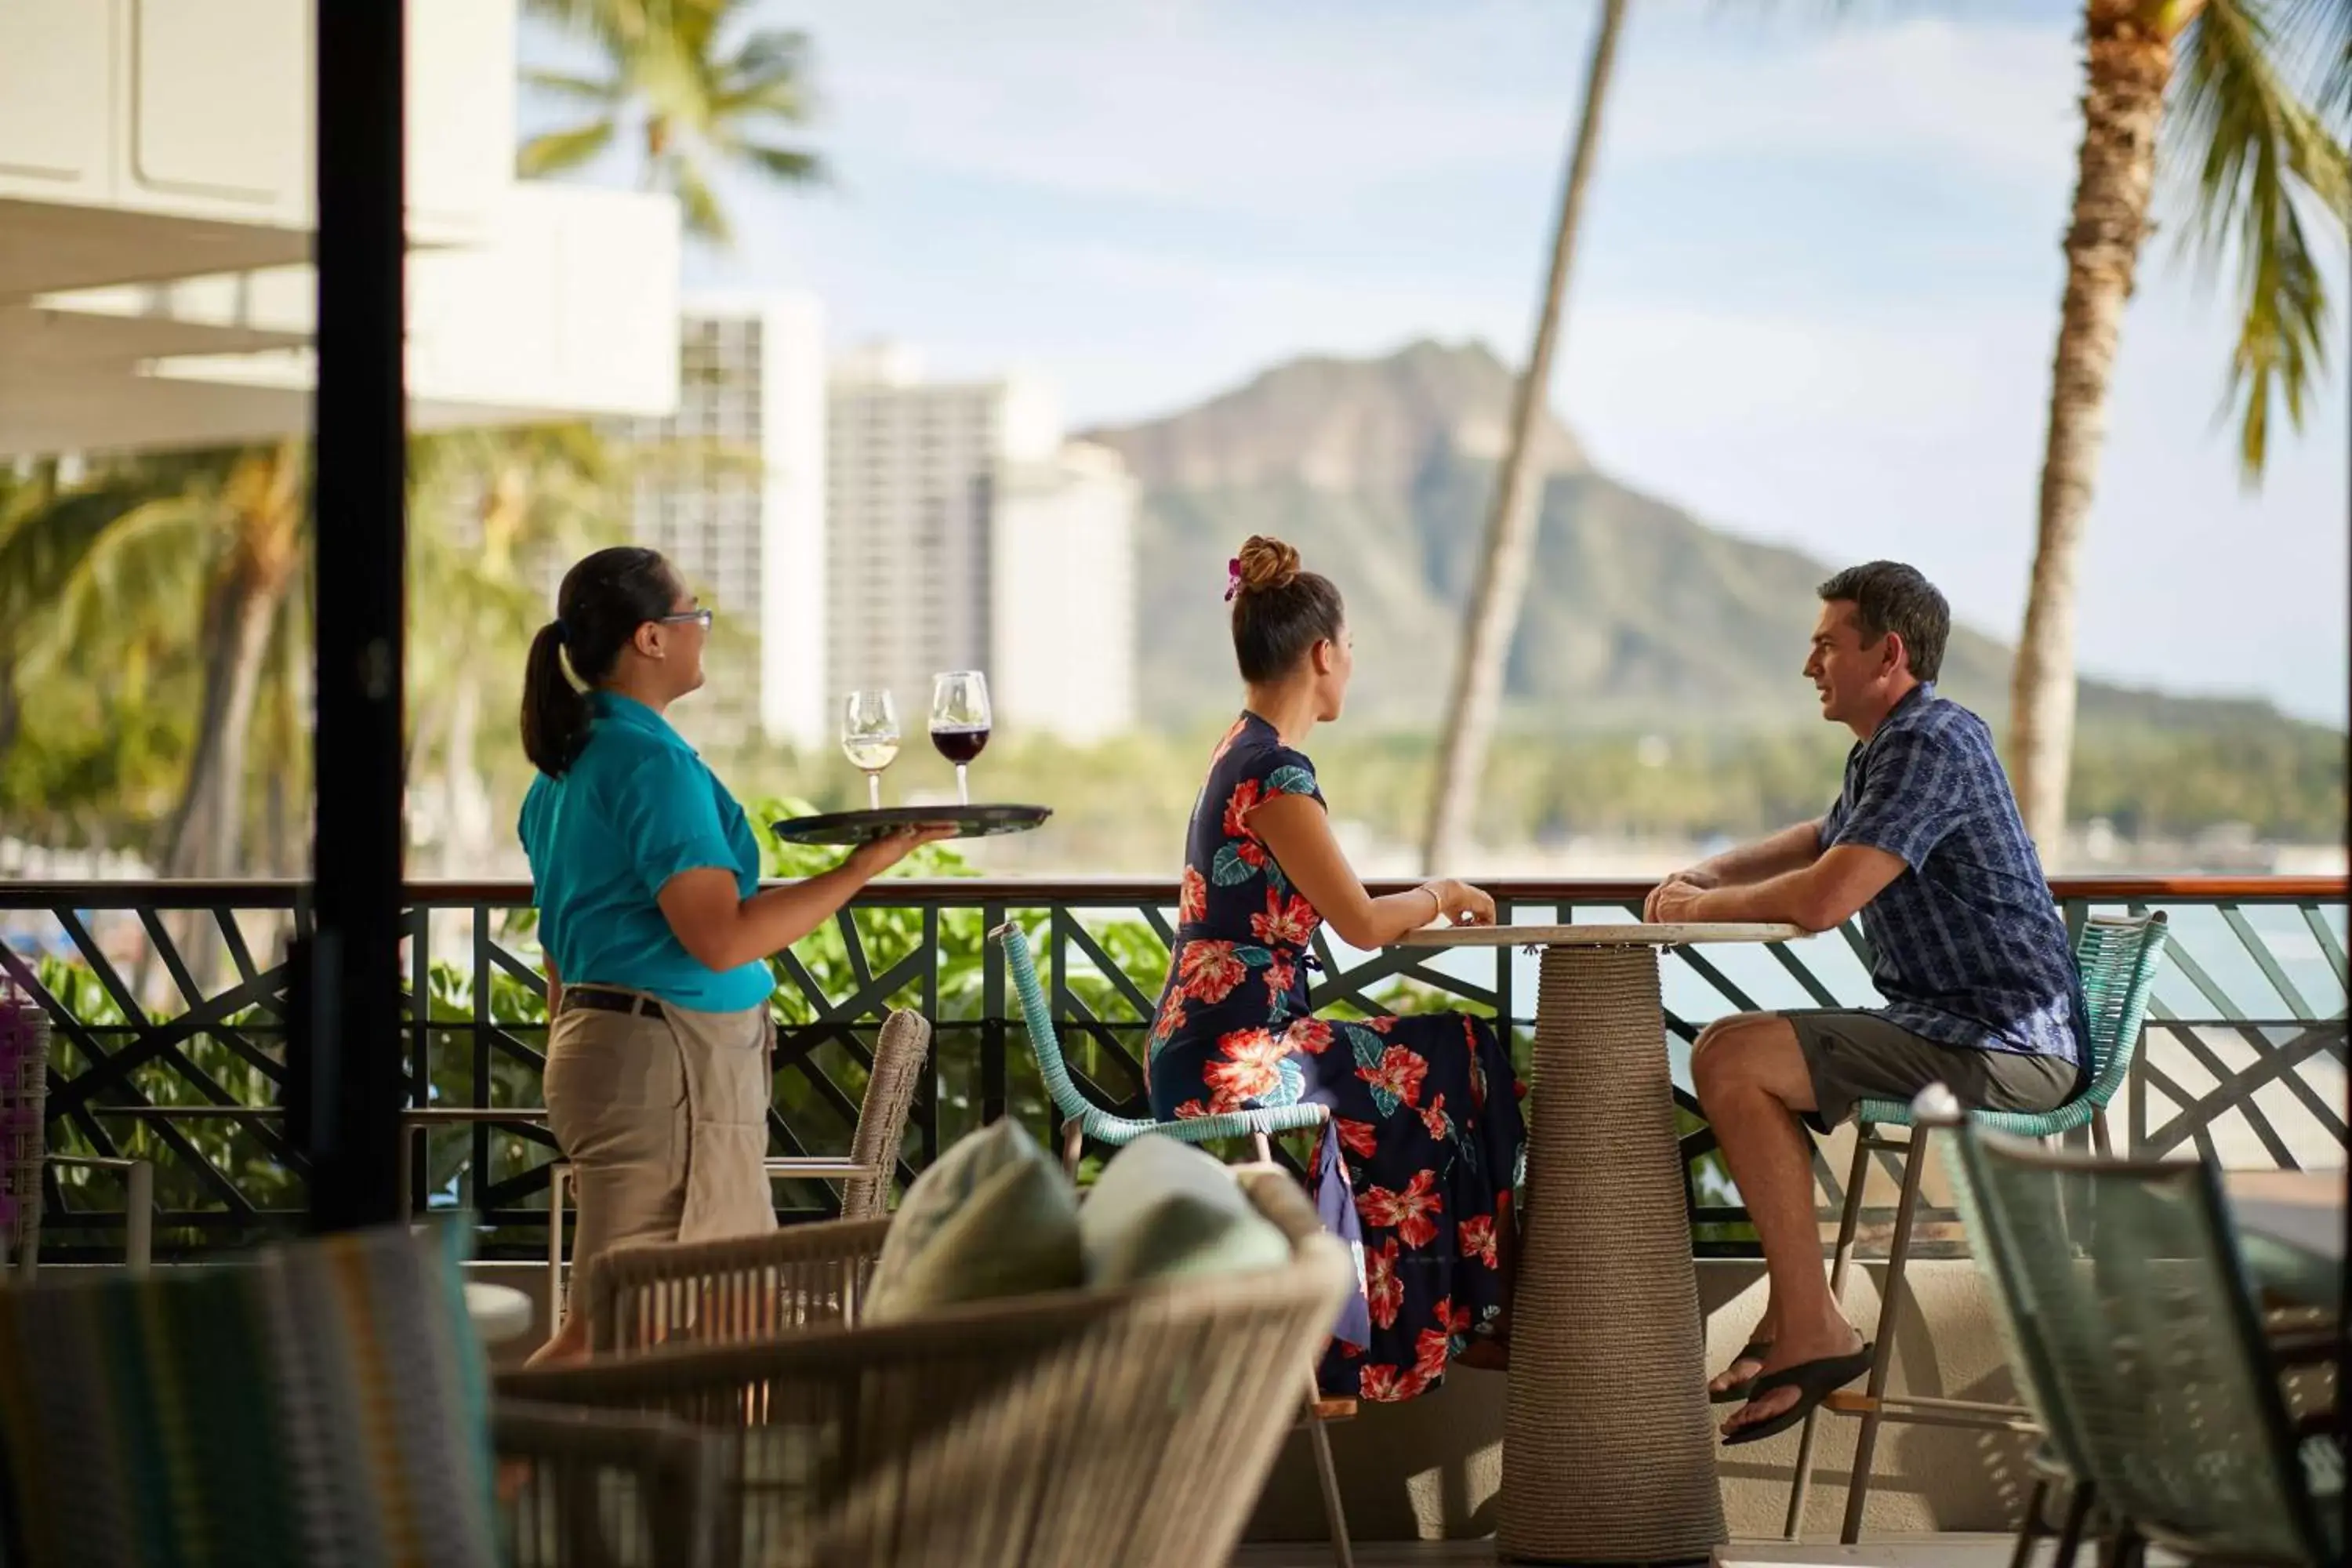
(602, 602)
(554, 712)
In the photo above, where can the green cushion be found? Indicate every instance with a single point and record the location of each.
(993, 1218)
(1162, 1209)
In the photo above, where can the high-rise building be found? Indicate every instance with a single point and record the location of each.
(731, 488)
(1062, 595)
(966, 535)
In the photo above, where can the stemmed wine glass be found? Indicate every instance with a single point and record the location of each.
(960, 721)
(870, 737)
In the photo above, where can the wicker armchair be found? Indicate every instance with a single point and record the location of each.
(584, 1489)
(733, 1291)
(1132, 1426)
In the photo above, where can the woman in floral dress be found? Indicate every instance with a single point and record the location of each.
(1424, 1108)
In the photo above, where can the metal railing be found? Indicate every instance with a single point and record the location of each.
(169, 1000)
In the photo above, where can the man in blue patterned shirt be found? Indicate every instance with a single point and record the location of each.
(1969, 953)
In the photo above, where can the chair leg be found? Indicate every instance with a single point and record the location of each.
(558, 1176)
(2102, 1139)
(1890, 1324)
(2031, 1528)
(2078, 1517)
(138, 1218)
(2129, 1548)
(1264, 1147)
(1327, 1475)
(1074, 1146)
(1800, 1486)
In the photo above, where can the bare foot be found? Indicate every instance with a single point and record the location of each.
(1743, 1369)
(1793, 1347)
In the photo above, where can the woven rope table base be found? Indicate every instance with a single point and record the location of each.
(1608, 1447)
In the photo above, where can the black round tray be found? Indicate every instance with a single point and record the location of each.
(859, 827)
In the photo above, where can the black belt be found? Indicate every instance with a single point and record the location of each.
(610, 1002)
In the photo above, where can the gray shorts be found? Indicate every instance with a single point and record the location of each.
(1854, 1055)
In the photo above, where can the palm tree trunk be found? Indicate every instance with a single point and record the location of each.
(1492, 617)
(2126, 67)
(208, 833)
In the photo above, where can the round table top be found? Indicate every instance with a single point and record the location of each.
(1632, 935)
(500, 1312)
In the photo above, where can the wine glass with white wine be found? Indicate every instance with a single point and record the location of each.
(870, 737)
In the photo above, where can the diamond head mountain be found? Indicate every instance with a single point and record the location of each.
(1638, 614)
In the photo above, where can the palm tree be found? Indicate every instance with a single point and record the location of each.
(226, 530)
(493, 513)
(1492, 617)
(2254, 126)
(704, 86)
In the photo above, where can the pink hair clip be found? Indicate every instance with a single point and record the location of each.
(1232, 578)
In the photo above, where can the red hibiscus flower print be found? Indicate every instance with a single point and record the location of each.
(1171, 1018)
(1359, 1138)
(1311, 1036)
(1209, 971)
(1194, 903)
(1455, 1318)
(1476, 1237)
(1192, 1110)
(1246, 797)
(1400, 1072)
(1433, 1116)
(1380, 1025)
(1248, 1069)
(1430, 1349)
(1231, 1085)
(1384, 1291)
(1287, 923)
(1390, 1386)
(1408, 1213)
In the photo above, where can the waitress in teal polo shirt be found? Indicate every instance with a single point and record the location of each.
(653, 924)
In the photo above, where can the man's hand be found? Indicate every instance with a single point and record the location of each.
(1697, 879)
(1671, 902)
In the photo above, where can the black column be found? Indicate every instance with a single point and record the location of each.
(346, 1025)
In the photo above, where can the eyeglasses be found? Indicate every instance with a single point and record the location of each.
(700, 616)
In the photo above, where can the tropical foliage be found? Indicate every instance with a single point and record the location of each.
(699, 86)
(2245, 105)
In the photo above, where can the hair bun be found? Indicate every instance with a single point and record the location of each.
(1268, 565)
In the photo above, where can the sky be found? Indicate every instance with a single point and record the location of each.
(1814, 300)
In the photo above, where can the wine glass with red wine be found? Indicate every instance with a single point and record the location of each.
(960, 721)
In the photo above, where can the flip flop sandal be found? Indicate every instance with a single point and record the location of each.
(1815, 1380)
(1739, 1393)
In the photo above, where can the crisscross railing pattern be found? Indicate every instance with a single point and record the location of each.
(168, 1005)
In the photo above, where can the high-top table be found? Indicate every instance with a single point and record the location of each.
(1609, 1442)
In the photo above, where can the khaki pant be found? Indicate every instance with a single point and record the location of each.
(664, 1121)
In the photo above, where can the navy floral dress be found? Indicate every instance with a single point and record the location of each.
(1425, 1109)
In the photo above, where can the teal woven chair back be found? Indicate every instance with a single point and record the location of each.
(1039, 1019)
(2117, 957)
(2147, 1343)
(325, 1402)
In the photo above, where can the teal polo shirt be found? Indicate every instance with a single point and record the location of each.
(638, 807)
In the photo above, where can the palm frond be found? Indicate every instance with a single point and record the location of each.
(2321, 32)
(155, 555)
(697, 204)
(2261, 157)
(602, 91)
(784, 163)
(559, 151)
